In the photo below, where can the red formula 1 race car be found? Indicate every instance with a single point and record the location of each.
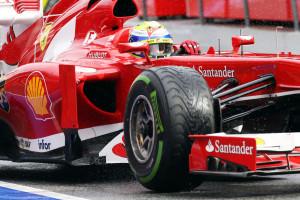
(70, 83)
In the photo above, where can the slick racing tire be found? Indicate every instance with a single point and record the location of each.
(164, 106)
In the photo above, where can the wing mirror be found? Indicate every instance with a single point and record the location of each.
(135, 47)
(238, 41)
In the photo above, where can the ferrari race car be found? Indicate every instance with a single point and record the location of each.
(70, 86)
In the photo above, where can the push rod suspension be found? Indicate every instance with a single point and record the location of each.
(243, 86)
(245, 93)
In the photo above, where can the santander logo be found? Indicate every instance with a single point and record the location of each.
(209, 147)
(219, 147)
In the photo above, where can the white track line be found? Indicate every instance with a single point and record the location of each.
(38, 191)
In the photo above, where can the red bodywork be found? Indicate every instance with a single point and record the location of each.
(239, 156)
(75, 69)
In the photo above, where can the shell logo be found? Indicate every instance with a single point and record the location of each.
(37, 96)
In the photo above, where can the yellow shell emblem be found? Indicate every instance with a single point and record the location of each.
(35, 94)
(44, 36)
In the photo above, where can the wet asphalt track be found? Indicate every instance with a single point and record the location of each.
(117, 182)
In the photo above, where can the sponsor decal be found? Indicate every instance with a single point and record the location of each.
(37, 96)
(215, 73)
(24, 144)
(44, 35)
(158, 122)
(219, 147)
(44, 145)
(4, 105)
(97, 55)
(90, 37)
(57, 140)
(209, 147)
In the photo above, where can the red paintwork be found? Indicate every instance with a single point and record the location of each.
(108, 61)
(238, 41)
(120, 150)
(109, 69)
(205, 146)
(257, 161)
(69, 118)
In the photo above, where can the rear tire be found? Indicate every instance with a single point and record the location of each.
(164, 106)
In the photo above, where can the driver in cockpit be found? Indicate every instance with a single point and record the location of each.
(160, 41)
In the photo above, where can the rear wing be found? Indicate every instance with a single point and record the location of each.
(20, 11)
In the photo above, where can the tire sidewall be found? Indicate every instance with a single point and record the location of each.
(184, 106)
(159, 107)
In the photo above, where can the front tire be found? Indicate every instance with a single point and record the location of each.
(164, 106)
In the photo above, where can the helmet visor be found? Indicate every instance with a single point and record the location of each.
(160, 50)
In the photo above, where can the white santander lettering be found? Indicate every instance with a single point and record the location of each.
(215, 73)
(233, 149)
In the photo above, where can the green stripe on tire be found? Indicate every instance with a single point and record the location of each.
(156, 165)
(143, 78)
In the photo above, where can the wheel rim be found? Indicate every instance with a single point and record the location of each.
(141, 127)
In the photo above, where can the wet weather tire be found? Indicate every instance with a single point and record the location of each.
(164, 105)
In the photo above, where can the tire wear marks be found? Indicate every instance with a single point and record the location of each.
(190, 110)
(188, 96)
(185, 107)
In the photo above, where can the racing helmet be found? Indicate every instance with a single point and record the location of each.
(156, 35)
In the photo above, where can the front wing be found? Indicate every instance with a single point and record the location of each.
(245, 155)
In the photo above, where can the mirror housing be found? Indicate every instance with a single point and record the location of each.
(238, 41)
(135, 47)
